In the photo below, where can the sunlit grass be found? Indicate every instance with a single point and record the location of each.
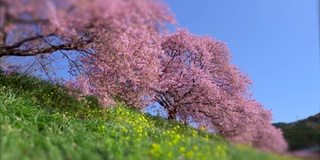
(41, 121)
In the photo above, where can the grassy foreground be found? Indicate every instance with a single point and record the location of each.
(41, 121)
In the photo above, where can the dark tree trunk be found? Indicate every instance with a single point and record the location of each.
(172, 114)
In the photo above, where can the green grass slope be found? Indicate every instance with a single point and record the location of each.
(41, 121)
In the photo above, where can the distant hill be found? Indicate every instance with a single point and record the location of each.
(304, 133)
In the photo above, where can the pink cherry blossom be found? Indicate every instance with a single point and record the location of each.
(120, 50)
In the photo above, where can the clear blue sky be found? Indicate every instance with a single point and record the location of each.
(275, 41)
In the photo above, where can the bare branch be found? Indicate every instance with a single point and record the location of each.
(44, 69)
(18, 44)
(10, 51)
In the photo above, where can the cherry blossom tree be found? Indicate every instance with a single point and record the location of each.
(119, 50)
(269, 138)
(198, 82)
(101, 39)
(39, 28)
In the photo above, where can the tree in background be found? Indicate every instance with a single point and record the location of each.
(199, 83)
(120, 50)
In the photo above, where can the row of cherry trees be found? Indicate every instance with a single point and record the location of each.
(121, 50)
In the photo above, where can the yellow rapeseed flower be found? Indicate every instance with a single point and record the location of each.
(190, 154)
(169, 154)
(155, 150)
(195, 148)
(182, 149)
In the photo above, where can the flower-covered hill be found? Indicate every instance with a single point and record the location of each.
(40, 120)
